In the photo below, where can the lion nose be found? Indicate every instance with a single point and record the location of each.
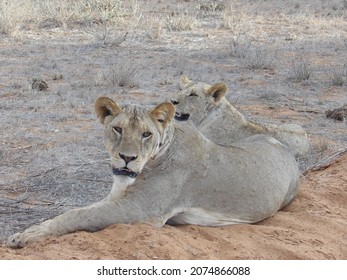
(127, 159)
(174, 102)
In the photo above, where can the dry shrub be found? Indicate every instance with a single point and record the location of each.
(232, 19)
(60, 12)
(252, 56)
(13, 13)
(154, 27)
(337, 75)
(67, 13)
(104, 36)
(302, 70)
(182, 20)
(122, 74)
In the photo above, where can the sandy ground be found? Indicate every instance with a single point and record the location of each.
(312, 227)
(51, 147)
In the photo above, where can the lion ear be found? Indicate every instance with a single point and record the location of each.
(163, 113)
(217, 91)
(184, 81)
(106, 109)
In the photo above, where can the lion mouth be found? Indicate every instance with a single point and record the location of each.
(182, 117)
(124, 171)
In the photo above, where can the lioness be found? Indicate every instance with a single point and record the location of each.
(170, 173)
(220, 122)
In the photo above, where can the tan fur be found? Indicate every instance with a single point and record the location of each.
(219, 121)
(164, 113)
(168, 172)
(105, 109)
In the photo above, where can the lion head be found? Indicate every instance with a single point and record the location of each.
(133, 134)
(194, 100)
(216, 118)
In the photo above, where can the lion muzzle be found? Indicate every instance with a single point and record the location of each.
(124, 172)
(182, 117)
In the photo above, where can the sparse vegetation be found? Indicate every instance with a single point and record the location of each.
(252, 56)
(337, 75)
(211, 7)
(232, 19)
(258, 58)
(182, 20)
(122, 74)
(12, 13)
(302, 70)
(104, 36)
(59, 12)
(154, 27)
(238, 48)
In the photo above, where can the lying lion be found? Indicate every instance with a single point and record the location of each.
(220, 122)
(167, 172)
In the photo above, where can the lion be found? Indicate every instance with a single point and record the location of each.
(213, 115)
(167, 172)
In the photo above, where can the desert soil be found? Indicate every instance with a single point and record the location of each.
(52, 155)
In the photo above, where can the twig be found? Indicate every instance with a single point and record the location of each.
(9, 205)
(95, 180)
(40, 202)
(305, 111)
(19, 200)
(43, 173)
(326, 162)
(294, 99)
(23, 147)
(11, 212)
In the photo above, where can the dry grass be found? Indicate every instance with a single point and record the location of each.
(122, 74)
(13, 13)
(181, 20)
(60, 12)
(108, 13)
(338, 75)
(301, 69)
(153, 27)
(233, 19)
(252, 56)
(104, 36)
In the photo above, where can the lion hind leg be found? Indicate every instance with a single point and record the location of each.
(202, 217)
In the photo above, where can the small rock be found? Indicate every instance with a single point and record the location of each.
(38, 84)
(338, 114)
(57, 76)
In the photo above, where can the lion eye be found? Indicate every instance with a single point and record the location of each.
(117, 129)
(146, 134)
(193, 94)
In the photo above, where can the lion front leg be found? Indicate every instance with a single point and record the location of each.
(90, 218)
(30, 235)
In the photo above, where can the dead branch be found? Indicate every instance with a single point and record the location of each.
(305, 110)
(326, 162)
(301, 100)
(23, 147)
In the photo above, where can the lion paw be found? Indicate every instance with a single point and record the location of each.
(32, 234)
(16, 241)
